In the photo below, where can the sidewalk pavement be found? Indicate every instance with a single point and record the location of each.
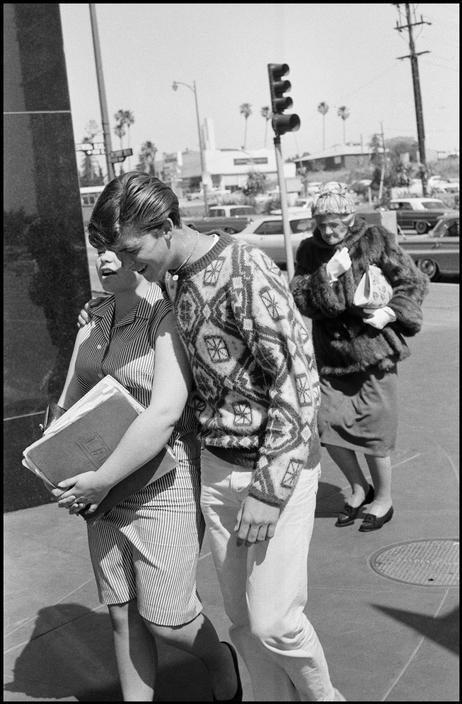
(388, 623)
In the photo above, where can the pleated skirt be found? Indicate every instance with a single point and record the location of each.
(360, 411)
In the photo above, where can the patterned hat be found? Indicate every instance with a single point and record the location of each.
(334, 199)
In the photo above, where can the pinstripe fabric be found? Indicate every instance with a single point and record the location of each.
(126, 352)
(146, 548)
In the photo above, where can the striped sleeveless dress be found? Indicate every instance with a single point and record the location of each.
(146, 548)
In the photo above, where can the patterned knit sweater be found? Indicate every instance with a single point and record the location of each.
(253, 365)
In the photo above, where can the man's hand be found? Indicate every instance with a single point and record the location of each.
(86, 489)
(256, 521)
(85, 313)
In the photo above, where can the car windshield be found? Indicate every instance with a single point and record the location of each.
(433, 204)
(446, 228)
(300, 225)
(275, 227)
(242, 210)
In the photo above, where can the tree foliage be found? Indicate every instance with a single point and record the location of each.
(124, 119)
(90, 172)
(246, 110)
(395, 162)
(256, 182)
(147, 157)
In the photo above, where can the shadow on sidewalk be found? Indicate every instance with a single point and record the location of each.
(443, 630)
(329, 500)
(71, 655)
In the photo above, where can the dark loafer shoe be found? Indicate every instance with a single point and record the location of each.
(238, 694)
(372, 522)
(348, 513)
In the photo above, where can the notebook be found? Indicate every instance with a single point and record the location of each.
(83, 438)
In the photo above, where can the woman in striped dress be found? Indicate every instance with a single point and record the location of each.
(144, 551)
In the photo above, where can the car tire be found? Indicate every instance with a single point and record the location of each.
(428, 267)
(421, 228)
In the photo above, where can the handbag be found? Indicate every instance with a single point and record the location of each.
(374, 290)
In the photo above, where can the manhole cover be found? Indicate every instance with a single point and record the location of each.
(428, 562)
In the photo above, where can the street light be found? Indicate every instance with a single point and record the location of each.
(175, 85)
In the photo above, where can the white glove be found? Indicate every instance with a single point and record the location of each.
(338, 264)
(380, 317)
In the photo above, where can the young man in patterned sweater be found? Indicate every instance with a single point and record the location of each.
(257, 400)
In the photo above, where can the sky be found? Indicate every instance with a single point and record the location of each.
(344, 54)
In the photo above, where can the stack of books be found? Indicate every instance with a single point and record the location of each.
(82, 439)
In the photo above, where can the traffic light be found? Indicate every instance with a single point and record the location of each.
(279, 102)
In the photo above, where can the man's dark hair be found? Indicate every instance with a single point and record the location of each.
(135, 199)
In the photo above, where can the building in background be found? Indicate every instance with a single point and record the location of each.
(228, 169)
(46, 278)
(339, 156)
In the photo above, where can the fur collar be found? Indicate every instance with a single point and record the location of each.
(355, 232)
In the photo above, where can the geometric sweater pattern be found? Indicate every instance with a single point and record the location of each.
(251, 356)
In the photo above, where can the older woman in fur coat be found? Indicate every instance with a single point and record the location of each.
(357, 351)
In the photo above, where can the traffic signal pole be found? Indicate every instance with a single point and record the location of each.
(282, 123)
(284, 208)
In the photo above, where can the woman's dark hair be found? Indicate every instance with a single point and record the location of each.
(135, 199)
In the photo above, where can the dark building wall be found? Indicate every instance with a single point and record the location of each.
(46, 278)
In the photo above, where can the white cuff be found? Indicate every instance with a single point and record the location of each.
(390, 312)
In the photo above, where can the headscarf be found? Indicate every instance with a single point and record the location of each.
(333, 199)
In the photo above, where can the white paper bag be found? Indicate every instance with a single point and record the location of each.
(373, 291)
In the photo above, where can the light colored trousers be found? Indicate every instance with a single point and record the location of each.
(264, 587)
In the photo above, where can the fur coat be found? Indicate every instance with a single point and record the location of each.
(343, 342)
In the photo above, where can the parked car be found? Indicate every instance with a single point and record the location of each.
(419, 214)
(437, 252)
(231, 223)
(267, 233)
(227, 211)
(378, 216)
(195, 195)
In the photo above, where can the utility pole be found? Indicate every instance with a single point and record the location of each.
(102, 93)
(204, 174)
(416, 85)
(284, 207)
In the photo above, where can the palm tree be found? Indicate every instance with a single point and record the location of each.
(124, 119)
(246, 110)
(343, 112)
(323, 108)
(90, 173)
(120, 132)
(91, 130)
(129, 119)
(266, 114)
(147, 157)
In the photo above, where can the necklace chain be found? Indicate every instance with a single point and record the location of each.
(175, 273)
